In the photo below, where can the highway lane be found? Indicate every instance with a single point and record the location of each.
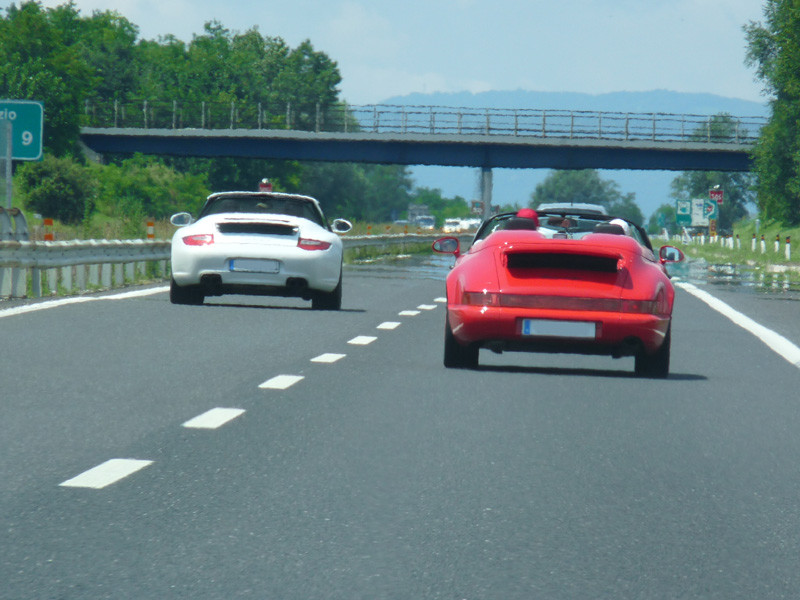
(383, 475)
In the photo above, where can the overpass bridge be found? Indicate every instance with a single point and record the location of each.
(428, 135)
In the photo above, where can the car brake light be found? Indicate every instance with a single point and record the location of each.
(203, 239)
(309, 244)
(564, 303)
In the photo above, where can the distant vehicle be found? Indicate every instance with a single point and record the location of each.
(453, 226)
(258, 243)
(571, 206)
(578, 284)
(426, 222)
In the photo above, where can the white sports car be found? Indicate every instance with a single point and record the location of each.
(258, 243)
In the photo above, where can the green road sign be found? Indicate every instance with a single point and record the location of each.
(683, 213)
(27, 122)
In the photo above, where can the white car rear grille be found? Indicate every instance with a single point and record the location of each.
(257, 228)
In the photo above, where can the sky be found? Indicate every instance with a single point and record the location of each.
(388, 48)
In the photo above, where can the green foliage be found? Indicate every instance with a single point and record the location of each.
(774, 49)
(58, 188)
(39, 60)
(586, 186)
(663, 217)
(145, 187)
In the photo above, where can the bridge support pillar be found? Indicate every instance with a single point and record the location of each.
(486, 192)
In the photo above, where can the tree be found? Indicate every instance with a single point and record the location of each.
(664, 217)
(774, 49)
(586, 186)
(39, 60)
(58, 188)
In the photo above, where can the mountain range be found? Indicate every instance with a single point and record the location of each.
(515, 186)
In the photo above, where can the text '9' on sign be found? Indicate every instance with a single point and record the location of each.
(27, 123)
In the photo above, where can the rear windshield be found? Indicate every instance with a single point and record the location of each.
(295, 207)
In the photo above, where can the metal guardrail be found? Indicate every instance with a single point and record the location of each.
(434, 120)
(28, 268)
(33, 269)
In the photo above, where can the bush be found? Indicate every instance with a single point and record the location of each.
(58, 188)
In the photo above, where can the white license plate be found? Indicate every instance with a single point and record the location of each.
(255, 265)
(567, 329)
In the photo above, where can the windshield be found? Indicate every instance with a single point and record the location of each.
(295, 206)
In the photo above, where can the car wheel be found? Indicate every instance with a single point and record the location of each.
(656, 365)
(328, 300)
(186, 294)
(457, 356)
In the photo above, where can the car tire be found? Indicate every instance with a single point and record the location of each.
(655, 366)
(456, 355)
(328, 300)
(185, 294)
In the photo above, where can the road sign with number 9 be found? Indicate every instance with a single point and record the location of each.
(27, 123)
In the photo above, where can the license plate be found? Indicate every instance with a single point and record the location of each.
(565, 329)
(255, 265)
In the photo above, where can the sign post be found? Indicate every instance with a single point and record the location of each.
(22, 122)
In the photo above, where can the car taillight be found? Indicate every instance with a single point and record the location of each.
(480, 299)
(203, 239)
(309, 244)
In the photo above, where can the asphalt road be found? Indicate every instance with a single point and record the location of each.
(380, 474)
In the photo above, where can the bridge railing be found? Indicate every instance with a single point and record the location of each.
(421, 120)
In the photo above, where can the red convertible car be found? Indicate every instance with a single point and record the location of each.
(567, 280)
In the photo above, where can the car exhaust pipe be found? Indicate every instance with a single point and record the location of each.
(212, 284)
(298, 286)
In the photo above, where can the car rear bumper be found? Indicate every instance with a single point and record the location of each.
(317, 270)
(615, 334)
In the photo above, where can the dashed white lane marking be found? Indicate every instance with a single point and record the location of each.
(328, 357)
(773, 340)
(280, 382)
(214, 418)
(408, 313)
(389, 325)
(426, 306)
(441, 300)
(362, 340)
(107, 473)
(27, 308)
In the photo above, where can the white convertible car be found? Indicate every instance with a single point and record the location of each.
(258, 243)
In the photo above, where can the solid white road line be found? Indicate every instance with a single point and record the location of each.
(28, 308)
(281, 382)
(362, 340)
(328, 358)
(426, 306)
(214, 418)
(773, 340)
(408, 313)
(107, 473)
(388, 325)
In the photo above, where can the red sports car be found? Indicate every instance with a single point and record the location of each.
(568, 280)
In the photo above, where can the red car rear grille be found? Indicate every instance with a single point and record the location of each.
(562, 261)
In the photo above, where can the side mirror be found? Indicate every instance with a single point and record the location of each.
(670, 254)
(181, 219)
(341, 225)
(448, 245)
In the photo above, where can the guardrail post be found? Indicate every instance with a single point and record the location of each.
(144, 110)
(94, 275)
(203, 115)
(174, 113)
(788, 250)
(19, 283)
(66, 278)
(317, 120)
(116, 113)
(488, 123)
(233, 114)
